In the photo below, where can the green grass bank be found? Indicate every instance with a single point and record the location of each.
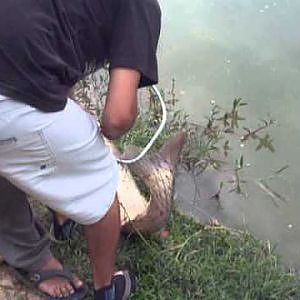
(195, 262)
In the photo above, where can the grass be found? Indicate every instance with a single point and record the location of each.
(194, 262)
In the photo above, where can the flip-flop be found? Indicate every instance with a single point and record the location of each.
(61, 232)
(33, 279)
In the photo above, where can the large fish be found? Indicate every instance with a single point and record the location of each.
(157, 172)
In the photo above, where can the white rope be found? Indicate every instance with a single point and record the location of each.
(157, 133)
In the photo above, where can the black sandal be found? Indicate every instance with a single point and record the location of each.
(33, 279)
(62, 232)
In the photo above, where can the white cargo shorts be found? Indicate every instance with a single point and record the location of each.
(58, 158)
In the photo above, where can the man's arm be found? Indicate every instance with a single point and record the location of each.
(120, 110)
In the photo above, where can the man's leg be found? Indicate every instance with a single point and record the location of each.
(102, 238)
(23, 241)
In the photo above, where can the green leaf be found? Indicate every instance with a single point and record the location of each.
(282, 169)
(241, 161)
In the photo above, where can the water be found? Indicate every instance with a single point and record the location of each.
(218, 50)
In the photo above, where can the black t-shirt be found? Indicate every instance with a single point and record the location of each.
(46, 46)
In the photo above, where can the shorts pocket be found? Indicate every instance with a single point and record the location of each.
(28, 157)
(7, 142)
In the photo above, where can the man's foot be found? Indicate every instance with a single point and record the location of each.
(58, 286)
(123, 284)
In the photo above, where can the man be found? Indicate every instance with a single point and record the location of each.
(50, 149)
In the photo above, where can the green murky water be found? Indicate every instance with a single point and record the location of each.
(218, 50)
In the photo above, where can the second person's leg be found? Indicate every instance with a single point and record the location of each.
(24, 243)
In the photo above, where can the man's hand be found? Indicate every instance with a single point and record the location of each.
(120, 110)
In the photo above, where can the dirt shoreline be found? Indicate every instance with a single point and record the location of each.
(10, 289)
